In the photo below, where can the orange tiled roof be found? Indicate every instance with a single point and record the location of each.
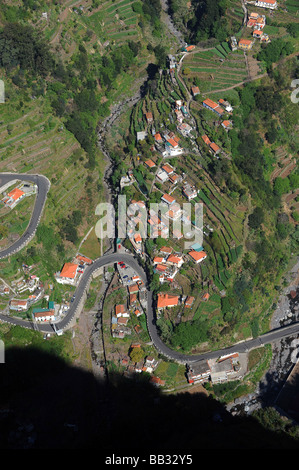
(167, 300)
(168, 198)
(167, 168)
(69, 270)
(150, 163)
(206, 139)
(197, 255)
(166, 249)
(119, 309)
(16, 193)
(214, 147)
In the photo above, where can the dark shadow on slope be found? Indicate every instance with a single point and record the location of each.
(46, 404)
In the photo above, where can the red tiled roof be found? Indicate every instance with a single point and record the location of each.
(168, 198)
(206, 139)
(214, 147)
(69, 270)
(15, 194)
(150, 163)
(119, 309)
(167, 300)
(197, 255)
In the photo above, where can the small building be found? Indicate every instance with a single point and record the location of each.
(245, 44)
(212, 106)
(18, 305)
(168, 199)
(189, 301)
(13, 198)
(257, 34)
(167, 301)
(168, 169)
(198, 372)
(121, 311)
(271, 4)
(233, 43)
(195, 90)
(189, 192)
(149, 117)
(150, 164)
(68, 274)
(227, 125)
(197, 256)
(215, 148)
(206, 140)
(141, 135)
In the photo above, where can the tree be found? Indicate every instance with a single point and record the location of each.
(281, 186)
(136, 354)
(256, 218)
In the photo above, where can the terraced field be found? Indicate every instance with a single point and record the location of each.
(217, 68)
(109, 23)
(32, 140)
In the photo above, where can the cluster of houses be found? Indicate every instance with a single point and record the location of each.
(220, 108)
(217, 370)
(71, 272)
(147, 364)
(257, 22)
(135, 305)
(167, 264)
(17, 194)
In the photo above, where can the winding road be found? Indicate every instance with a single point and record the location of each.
(110, 259)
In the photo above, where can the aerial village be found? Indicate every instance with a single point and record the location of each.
(167, 262)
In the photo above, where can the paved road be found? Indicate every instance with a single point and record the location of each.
(131, 260)
(43, 185)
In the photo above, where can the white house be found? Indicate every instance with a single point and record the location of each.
(272, 4)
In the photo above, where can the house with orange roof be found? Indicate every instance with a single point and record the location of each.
(195, 90)
(212, 106)
(189, 301)
(166, 250)
(149, 117)
(174, 178)
(257, 34)
(18, 305)
(132, 299)
(245, 44)
(271, 4)
(158, 137)
(175, 260)
(149, 163)
(168, 168)
(206, 139)
(227, 125)
(168, 199)
(172, 142)
(215, 148)
(158, 260)
(161, 268)
(121, 311)
(68, 274)
(167, 301)
(157, 381)
(206, 297)
(197, 256)
(133, 289)
(14, 197)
